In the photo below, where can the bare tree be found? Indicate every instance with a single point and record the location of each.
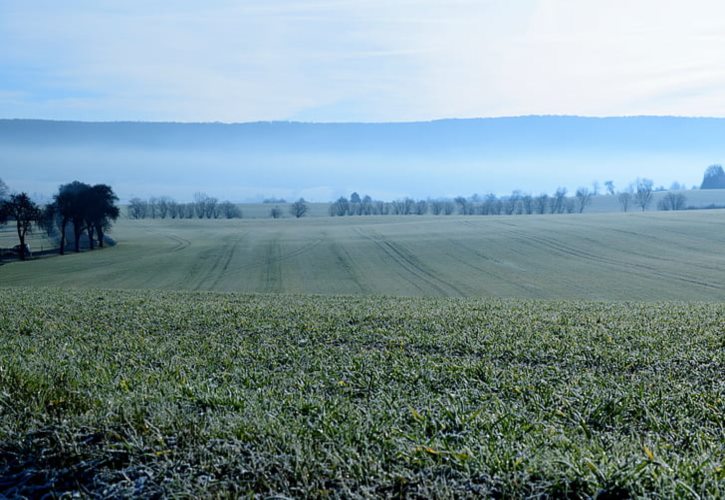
(276, 212)
(558, 203)
(137, 208)
(299, 208)
(421, 207)
(511, 204)
(672, 201)
(229, 210)
(173, 209)
(436, 207)
(367, 205)
(153, 207)
(527, 202)
(583, 198)
(541, 203)
(570, 205)
(493, 204)
(200, 205)
(643, 193)
(625, 199)
(465, 206)
(210, 208)
(163, 206)
(4, 190)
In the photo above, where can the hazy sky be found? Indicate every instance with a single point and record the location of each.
(358, 60)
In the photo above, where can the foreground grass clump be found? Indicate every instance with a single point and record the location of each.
(142, 393)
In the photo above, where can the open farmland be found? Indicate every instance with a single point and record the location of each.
(635, 256)
(142, 393)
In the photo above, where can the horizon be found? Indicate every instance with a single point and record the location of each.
(392, 122)
(248, 162)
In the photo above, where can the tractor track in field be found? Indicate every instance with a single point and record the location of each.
(645, 270)
(272, 268)
(345, 261)
(181, 243)
(412, 266)
(221, 265)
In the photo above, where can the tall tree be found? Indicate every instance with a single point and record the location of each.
(583, 198)
(625, 197)
(558, 202)
(643, 193)
(25, 213)
(714, 178)
(101, 211)
(71, 204)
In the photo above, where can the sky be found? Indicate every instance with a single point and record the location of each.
(359, 60)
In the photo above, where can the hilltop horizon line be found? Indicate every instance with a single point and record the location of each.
(401, 122)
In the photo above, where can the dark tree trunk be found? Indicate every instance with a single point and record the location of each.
(63, 226)
(21, 237)
(77, 239)
(99, 233)
(89, 229)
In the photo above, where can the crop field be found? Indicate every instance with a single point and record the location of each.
(565, 356)
(145, 393)
(635, 256)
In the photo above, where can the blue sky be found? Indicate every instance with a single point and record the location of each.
(357, 60)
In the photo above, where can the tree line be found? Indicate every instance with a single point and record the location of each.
(83, 208)
(203, 207)
(638, 194)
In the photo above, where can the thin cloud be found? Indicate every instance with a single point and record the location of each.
(359, 61)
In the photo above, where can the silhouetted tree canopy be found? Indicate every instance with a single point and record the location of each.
(88, 208)
(299, 208)
(101, 211)
(714, 178)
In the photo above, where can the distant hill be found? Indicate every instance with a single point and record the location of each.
(439, 158)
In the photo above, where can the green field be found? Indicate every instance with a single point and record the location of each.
(514, 356)
(635, 256)
(120, 393)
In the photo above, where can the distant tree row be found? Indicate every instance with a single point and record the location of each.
(515, 203)
(86, 209)
(638, 194)
(203, 207)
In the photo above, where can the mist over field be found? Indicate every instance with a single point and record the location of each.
(246, 162)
